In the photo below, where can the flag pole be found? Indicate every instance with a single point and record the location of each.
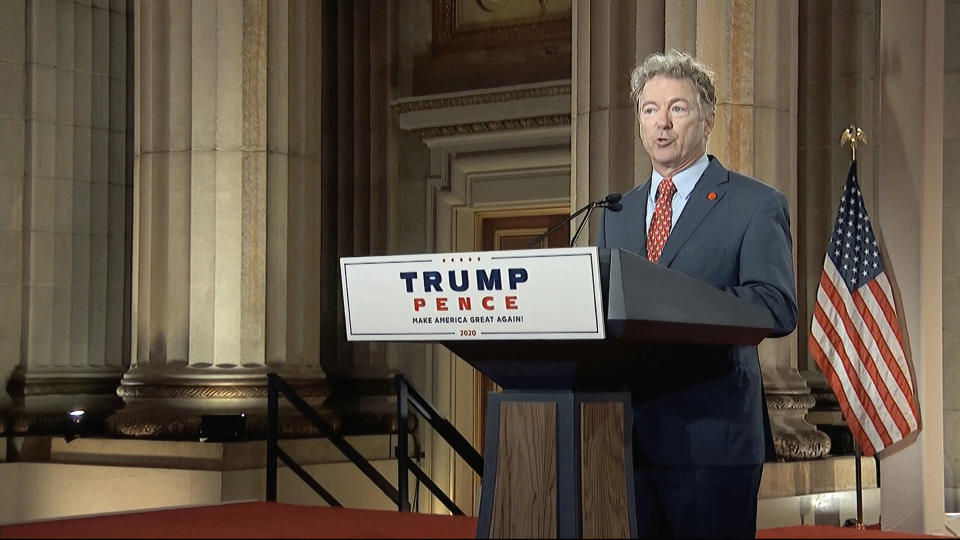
(858, 522)
(856, 463)
(854, 136)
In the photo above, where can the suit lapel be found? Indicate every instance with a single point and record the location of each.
(640, 218)
(714, 180)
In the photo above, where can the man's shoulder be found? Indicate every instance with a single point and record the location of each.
(752, 185)
(746, 185)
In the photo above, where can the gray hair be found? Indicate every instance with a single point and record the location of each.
(675, 65)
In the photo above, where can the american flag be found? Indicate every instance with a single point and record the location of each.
(854, 334)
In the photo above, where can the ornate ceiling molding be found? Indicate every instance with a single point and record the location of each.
(495, 125)
(486, 111)
(430, 103)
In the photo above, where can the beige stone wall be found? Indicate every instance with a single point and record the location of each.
(951, 255)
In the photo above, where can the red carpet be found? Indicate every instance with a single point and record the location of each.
(251, 520)
(275, 520)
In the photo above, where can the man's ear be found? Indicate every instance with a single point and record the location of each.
(708, 124)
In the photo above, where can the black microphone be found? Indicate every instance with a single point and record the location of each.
(612, 198)
(611, 202)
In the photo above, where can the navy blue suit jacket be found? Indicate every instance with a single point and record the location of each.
(704, 405)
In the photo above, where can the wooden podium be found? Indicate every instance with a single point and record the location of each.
(559, 450)
(558, 439)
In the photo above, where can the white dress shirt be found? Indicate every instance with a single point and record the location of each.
(684, 181)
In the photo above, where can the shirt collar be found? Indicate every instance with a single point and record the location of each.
(684, 180)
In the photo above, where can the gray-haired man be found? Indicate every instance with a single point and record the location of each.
(701, 431)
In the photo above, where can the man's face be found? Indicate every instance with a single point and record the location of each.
(672, 127)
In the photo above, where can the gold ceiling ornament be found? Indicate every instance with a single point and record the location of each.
(853, 136)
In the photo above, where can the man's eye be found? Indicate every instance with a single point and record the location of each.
(678, 109)
(648, 110)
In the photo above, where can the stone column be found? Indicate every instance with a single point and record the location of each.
(680, 26)
(355, 81)
(951, 254)
(752, 46)
(609, 39)
(12, 153)
(65, 191)
(227, 211)
(836, 87)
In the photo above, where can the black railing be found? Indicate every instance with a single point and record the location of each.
(277, 386)
(408, 394)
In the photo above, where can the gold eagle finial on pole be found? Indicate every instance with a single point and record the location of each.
(853, 136)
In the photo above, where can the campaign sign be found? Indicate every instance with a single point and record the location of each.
(495, 295)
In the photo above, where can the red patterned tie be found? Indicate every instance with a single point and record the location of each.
(660, 223)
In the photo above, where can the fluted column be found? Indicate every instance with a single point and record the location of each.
(609, 39)
(64, 173)
(680, 26)
(951, 258)
(356, 78)
(752, 46)
(226, 216)
(837, 87)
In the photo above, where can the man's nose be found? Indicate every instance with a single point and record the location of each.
(663, 120)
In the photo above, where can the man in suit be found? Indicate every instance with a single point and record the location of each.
(701, 432)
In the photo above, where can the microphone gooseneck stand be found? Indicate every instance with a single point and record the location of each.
(611, 202)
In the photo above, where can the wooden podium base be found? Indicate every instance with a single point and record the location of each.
(557, 465)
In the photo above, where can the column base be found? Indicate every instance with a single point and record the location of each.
(793, 437)
(154, 419)
(41, 403)
(176, 411)
(826, 415)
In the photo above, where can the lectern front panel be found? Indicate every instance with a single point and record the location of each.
(604, 494)
(526, 489)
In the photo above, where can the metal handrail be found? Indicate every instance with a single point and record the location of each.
(276, 386)
(406, 393)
